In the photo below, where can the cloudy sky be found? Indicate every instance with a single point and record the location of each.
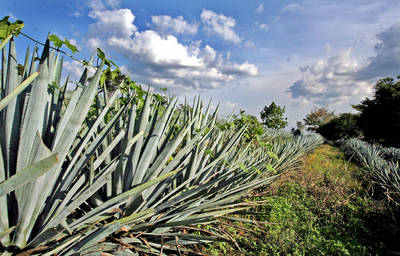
(242, 54)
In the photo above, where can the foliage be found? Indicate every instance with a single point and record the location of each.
(299, 130)
(380, 117)
(317, 117)
(254, 128)
(319, 210)
(272, 116)
(381, 165)
(59, 43)
(343, 126)
(8, 28)
(138, 167)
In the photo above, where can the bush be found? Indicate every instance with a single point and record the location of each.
(342, 127)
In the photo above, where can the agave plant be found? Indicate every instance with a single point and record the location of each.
(381, 164)
(76, 170)
(76, 182)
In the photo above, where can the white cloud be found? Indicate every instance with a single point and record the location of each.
(96, 5)
(221, 25)
(74, 42)
(113, 3)
(331, 81)
(342, 77)
(164, 24)
(292, 7)
(161, 60)
(112, 23)
(93, 43)
(260, 9)
(264, 27)
(74, 70)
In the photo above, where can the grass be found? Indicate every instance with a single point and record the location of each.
(322, 209)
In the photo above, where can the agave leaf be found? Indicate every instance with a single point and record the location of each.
(3, 73)
(66, 139)
(27, 174)
(63, 245)
(111, 228)
(120, 199)
(12, 115)
(5, 41)
(92, 130)
(34, 117)
(138, 146)
(151, 146)
(18, 90)
(87, 192)
(30, 192)
(6, 232)
(3, 204)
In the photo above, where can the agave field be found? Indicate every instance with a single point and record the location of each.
(124, 172)
(381, 164)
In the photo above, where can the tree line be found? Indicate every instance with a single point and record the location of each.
(377, 120)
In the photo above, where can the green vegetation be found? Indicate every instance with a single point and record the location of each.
(317, 117)
(321, 209)
(381, 111)
(380, 165)
(272, 116)
(112, 168)
(343, 126)
(93, 169)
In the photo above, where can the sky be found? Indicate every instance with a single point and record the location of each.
(241, 54)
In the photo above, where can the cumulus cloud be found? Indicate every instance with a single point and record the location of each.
(342, 77)
(331, 81)
(74, 70)
(292, 7)
(220, 25)
(167, 24)
(161, 60)
(264, 27)
(116, 23)
(112, 23)
(387, 59)
(260, 9)
(96, 5)
(113, 3)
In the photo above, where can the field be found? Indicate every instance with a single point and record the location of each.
(108, 167)
(324, 208)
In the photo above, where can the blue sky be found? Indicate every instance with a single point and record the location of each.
(242, 54)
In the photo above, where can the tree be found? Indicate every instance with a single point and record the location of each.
(254, 127)
(318, 117)
(299, 130)
(343, 126)
(380, 117)
(272, 116)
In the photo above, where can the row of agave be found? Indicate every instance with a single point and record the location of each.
(69, 186)
(381, 164)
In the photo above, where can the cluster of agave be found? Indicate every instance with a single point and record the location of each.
(72, 187)
(291, 150)
(381, 164)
